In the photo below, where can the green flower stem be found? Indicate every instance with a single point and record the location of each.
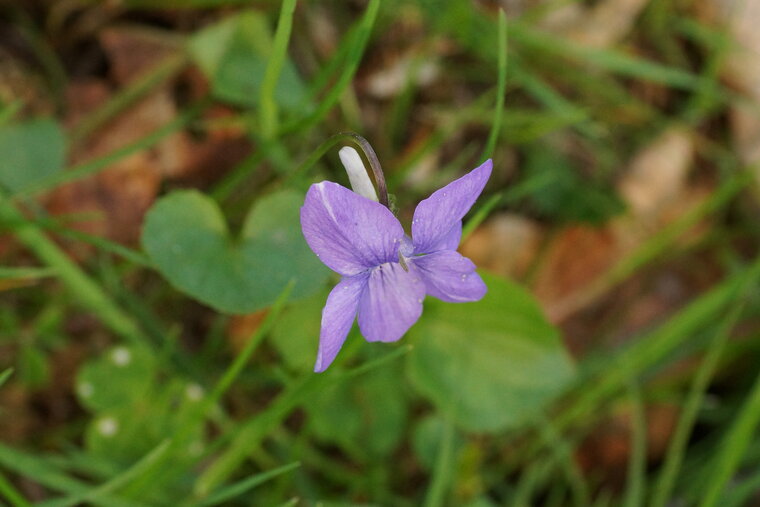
(83, 288)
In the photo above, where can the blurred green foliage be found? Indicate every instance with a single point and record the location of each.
(481, 403)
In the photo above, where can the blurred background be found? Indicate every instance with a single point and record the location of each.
(160, 311)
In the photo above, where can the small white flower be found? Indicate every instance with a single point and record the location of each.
(108, 426)
(121, 356)
(85, 389)
(194, 392)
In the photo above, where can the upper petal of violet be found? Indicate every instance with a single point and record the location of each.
(436, 223)
(337, 318)
(348, 232)
(391, 303)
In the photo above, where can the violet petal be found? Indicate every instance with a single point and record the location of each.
(337, 317)
(348, 232)
(436, 217)
(450, 277)
(391, 303)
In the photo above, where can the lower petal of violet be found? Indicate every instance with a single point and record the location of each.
(337, 318)
(391, 303)
(450, 277)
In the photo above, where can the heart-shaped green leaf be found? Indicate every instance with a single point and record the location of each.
(187, 239)
(491, 364)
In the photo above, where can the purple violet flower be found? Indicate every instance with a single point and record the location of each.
(385, 274)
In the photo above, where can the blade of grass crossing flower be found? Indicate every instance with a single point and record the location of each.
(268, 112)
(84, 288)
(117, 482)
(733, 447)
(237, 489)
(11, 494)
(501, 86)
(636, 480)
(352, 64)
(679, 441)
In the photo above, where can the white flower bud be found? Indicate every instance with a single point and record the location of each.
(357, 173)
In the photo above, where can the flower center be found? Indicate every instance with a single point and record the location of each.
(405, 251)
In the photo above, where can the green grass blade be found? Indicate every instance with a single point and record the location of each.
(250, 435)
(160, 73)
(636, 480)
(679, 440)
(25, 273)
(268, 112)
(237, 489)
(441, 474)
(29, 465)
(352, 64)
(656, 345)
(115, 483)
(5, 375)
(85, 289)
(11, 494)
(501, 87)
(733, 447)
(562, 453)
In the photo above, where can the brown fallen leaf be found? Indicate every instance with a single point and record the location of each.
(572, 274)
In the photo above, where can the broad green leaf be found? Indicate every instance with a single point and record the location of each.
(31, 151)
(491, 364)
(233, 54)
(119, 379)
(365, 415)
(186, 237)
